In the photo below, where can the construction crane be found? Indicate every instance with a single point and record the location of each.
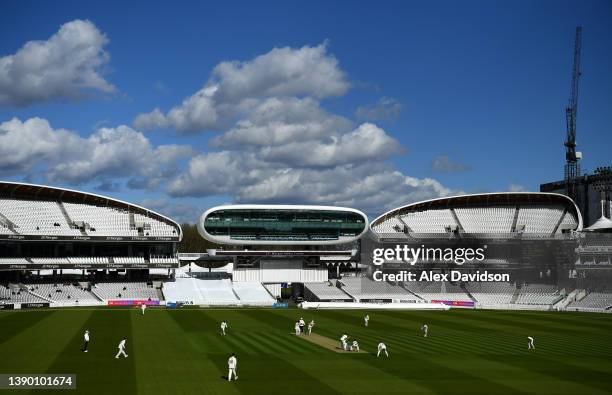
(572, 157)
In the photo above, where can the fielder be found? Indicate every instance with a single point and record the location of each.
(366, 319)
(223, 327)
(530, 345)
(232, 364)
(382, 347)
(85, 341)
(297, 328)
(311, 324)
(143, 307)
(121, 348)
(343, 342)
(425, 330)
(355, 346)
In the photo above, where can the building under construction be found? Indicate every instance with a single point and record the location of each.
(591, 192)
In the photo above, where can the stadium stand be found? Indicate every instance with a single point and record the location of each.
(217, 292)
(31, 217)
(324, 291)
(361, 288)
(538, 294)
(492, 293)
(539, 220)
(18, 294)
(253, 294)
(433, 221)
(124, 291)
(59, 293)
(486, 219)
(484, 215)
(163, 259)
(594, 301)
(432, 290)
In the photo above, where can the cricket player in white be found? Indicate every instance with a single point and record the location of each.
(366, 319)
(382, 347)
(297, 328)
(143, 307)
(223, 327)
(530, 345)
(302, 324)
(311, 324)
(85, 341)
(355, 346)
(121, 348)
(425, 330)
(232, 364)
(343, 342)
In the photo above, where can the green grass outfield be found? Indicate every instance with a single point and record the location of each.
(181, 351)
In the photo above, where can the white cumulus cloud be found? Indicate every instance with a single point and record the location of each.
(236, 87)
(67, 66)
(33, 147)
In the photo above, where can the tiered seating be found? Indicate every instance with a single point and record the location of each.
(153, 227)
(438, 291)
(88, 260)
(364, 288)
(390, 226)
(50, 261)
(13, 261)
(492, 293)
(217, 292)
(210, 292)
(486, 219)
(539, 220)
(593, 301)
(538, 294)
(108, 291)
(128, 259)
(568, 222)
(34, 217)
(10, 295)
(183, 290)
(431, 221)
(62, 292)
(103, 221)
(253, 294)
(326, 291)
(163, 259)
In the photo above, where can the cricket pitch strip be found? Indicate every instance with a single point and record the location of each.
(326, 342)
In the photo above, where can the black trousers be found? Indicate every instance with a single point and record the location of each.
(85, 345)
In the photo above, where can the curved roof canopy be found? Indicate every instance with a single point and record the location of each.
(487, 200)
(26, 191)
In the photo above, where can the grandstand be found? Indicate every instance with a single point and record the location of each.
(325, 291)
(64, 248)
(106, 291)
(63, 293)
(492, 293)
(437, 291)
(595, 301)
(211, 292)
(490, 215)
(364, 289)
(538, 294)
(35, 212)
(15, 293)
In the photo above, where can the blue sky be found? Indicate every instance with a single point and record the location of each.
(368, 104)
